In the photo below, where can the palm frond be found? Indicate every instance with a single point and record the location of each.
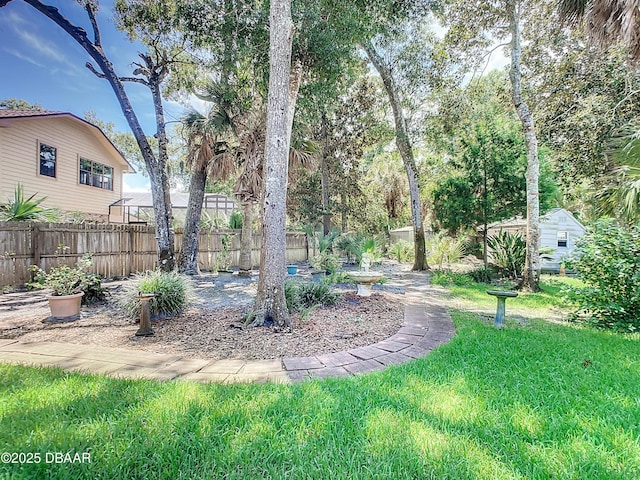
(607, 21)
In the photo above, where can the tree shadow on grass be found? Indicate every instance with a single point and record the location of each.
(511, 403)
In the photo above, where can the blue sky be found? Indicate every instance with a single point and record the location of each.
(40, 63)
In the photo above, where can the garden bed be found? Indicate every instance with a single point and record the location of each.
(214, 328)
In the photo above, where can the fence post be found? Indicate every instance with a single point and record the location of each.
(35, 239)
(131, 237)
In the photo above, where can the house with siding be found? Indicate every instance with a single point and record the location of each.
(62, 157)
(559, 231)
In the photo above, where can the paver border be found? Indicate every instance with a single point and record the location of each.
(426, 325)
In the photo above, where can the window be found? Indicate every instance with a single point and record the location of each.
(562, 239)
(48, 156)
(95, 174)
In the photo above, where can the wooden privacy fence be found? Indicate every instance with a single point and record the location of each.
(117, 250)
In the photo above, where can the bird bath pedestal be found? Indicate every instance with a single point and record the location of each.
(145, 317)
(502, 297)
(365, 278)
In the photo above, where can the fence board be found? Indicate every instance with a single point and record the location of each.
(117, 250)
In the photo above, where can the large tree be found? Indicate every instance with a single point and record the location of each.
(531, 273)
(485, 181)
(473, 28)
(151, 71)
(208, 155)
(394, 58)
(270, 302)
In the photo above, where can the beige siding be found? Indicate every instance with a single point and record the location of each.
(19, 163)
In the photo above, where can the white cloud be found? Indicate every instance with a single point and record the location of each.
(135, 183)
(39, 48)
(45, 49)
(26, 58)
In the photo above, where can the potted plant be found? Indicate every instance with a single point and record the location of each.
(292, 269)
(67, 286)
(326, 262)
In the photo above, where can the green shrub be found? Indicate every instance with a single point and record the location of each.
(354, 244)
(444, 278)
(66, 280)
(443, 249)
(173, 293)
(609, 264)
(305, 295)
(326, 261)
(235, 220)
(350, 244)
(402, 251)
(94, 291)
(482, 275)
(508, 252)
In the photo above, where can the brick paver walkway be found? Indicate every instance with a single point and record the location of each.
(426, 325)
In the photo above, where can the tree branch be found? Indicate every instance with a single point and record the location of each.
(94, 24)
(488, 57)
(4, 2)
(122, 79)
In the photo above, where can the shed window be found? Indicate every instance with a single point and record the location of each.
(48, 158)
(562, 239)
(96, 174)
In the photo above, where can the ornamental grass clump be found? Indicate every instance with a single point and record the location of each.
(305, 295)
(508, 253)
(402, 251)
(173, 293)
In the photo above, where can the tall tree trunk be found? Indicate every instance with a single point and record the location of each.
(406, 152)
(163, 215)
(246, 238)
(531, 272)
(324, 178)
(270, 300)
(326, 208)
(155, 165)
(343, 202)
(188, 259)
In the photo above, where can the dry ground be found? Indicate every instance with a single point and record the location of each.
(214, 327)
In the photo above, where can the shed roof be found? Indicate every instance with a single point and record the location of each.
(519, 221)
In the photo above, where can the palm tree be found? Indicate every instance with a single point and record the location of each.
(607, 21)
(249, 156)
(251, 131)
(208, 154)
(621, 196)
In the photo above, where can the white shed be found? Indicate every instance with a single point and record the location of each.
(559, 231)
(406, 234)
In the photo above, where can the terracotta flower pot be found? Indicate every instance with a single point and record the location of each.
(65, 306)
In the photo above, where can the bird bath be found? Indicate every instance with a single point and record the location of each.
(365, 278)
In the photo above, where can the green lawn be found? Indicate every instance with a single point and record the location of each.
(548, 303)
(531, 401)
